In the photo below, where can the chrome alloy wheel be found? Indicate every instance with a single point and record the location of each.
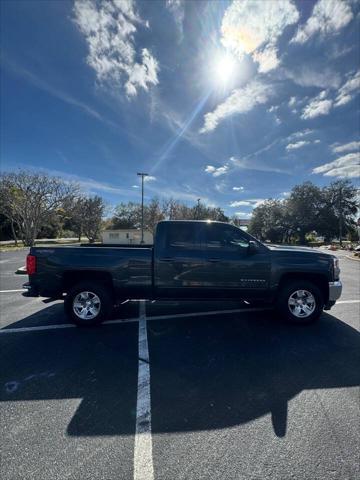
(301, 303)
(86, 305)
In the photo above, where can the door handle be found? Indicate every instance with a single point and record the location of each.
(167, 259)
(214, 260)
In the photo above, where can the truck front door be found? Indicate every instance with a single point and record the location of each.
(231, 268)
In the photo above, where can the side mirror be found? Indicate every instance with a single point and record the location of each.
(253, 247)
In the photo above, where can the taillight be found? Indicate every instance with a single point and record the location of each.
(30, 264)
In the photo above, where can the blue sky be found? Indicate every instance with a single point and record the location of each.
(230, 102)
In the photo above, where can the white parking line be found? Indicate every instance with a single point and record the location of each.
(143, 461)
(131, 320)
(37, 329)
(346, 301)
(13, 291)
(149, 319)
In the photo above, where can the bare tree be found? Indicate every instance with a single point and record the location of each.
(30, 199)
(174, 210)
(153, 214)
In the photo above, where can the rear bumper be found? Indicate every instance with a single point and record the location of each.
(32, 290)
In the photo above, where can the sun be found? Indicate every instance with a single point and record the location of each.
(224, 68)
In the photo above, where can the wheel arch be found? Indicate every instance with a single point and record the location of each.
(320, 280)
(72, 278)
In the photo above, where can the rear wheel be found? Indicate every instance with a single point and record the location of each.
(300, 302)
(88, 304)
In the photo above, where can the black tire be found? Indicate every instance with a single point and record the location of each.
(104, 308)
(282, 304)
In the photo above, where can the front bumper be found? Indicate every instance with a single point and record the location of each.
(335, 289)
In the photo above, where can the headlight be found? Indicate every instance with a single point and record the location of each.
(336, 268)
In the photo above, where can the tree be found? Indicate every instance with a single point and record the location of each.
(8, 230)
(74, 215)
(92, 211)
(52, 228)
(202, 212)
(269, 221)
(174, 210)
(30, 199)
(342, 203)
(304, 208)
(153, 214)
(127, 215)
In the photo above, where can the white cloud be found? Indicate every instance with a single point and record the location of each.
(267, 59)
(252, 202)
(221, 187)
(243, 215)
(250, 163)
(88, 185)
(347, 147)
(328, 17)
(317, 106)
(241, 100)
(347, 171)
(296, 145)
(300, 134)
(109, 29)
(252, 27)
(240, 203)
(347, 166)
(238, 189)
(177, 8)
(292, 101)
(348, 90)
(216, 172)
(149, 178)
(307, 76)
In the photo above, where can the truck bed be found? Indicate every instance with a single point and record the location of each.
(129, 268)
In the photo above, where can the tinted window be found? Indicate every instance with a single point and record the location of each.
(182, 236)
(225, 238)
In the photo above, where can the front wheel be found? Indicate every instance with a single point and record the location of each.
(88, 304)
(300, 302)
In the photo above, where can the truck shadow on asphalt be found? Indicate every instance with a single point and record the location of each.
(206, 373)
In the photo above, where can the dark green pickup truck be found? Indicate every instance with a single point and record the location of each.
(189, 260)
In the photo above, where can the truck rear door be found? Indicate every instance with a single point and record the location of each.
(179, 264)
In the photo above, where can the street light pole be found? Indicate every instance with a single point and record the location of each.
(142, 175)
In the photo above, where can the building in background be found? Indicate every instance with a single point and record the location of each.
(126, 237)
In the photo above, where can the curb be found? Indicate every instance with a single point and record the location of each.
(21, 271)
(353, 258)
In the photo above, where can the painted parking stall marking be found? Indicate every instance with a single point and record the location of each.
(13, 291)
(149, 319)
(143, 460)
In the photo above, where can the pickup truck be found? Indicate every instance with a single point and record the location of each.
(195, 260)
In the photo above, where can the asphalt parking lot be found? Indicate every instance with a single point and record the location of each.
(223, 394)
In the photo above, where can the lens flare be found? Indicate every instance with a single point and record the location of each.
(224, 68)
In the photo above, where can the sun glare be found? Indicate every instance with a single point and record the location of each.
(224, 68)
